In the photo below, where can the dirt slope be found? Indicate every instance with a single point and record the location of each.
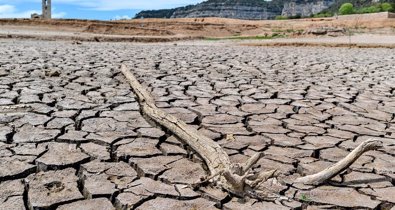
(199, 27)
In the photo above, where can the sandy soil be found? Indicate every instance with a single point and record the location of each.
(50, 34)
(357, 40)
(199, 27)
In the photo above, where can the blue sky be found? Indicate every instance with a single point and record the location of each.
(87, 9)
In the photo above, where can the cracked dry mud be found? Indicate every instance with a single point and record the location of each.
(72, 136)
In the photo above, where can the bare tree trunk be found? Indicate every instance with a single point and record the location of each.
(235, 178)
(211, 152)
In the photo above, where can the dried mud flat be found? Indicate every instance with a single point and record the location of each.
(72, 136)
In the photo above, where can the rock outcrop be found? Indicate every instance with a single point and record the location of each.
(238, 9)
(305, 8)
(161, 13)
(233, 9)
(242, 9)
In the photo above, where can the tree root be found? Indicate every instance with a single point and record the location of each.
(238, 179)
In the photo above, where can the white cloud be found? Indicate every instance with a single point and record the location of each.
(10, 11)
(123, 17)
(6, 8)
(58, 15)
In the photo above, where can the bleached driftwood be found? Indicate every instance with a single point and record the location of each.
(15, 108)
(329, 173)
(235, 178)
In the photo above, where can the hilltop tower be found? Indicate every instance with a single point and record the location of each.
(46, 9)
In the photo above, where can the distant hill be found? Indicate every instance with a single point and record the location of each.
(162, 13)
(239, 9)
(252, 9)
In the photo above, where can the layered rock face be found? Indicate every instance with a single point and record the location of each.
(243, 9)
(228, 11)
(238, 9)
(305, 8)
(162, 13)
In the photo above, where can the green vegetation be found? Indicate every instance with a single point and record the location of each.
(364, 10)
(346, 9)
(288, 17)
(304, 198)
(281, 17)
(286, 31)
(387, 7)
(273, 36)
(319, 15)
(322, 15)
(384, 5)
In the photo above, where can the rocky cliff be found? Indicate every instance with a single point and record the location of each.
(251, 10)
(305, 8)
(242, 9)
(162, 13)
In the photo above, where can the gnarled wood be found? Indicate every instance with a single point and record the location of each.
(18, 108)
(231, 177)
(329, 173)
(211, 152)
(235, 178)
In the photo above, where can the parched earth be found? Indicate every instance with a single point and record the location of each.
(72, 136)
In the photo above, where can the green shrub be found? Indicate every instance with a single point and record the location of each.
(281, 18)
(362, 10)
(384, 7)
(387, 7)
(305, 198)
(346, 9)
(276, 35)
(288, 17)
(298, 16)
(322, 15)
(371, 9)
(374, 9)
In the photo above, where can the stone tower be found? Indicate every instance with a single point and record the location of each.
(46, 9)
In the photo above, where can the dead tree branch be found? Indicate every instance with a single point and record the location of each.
(235, 178)
(329, 173)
